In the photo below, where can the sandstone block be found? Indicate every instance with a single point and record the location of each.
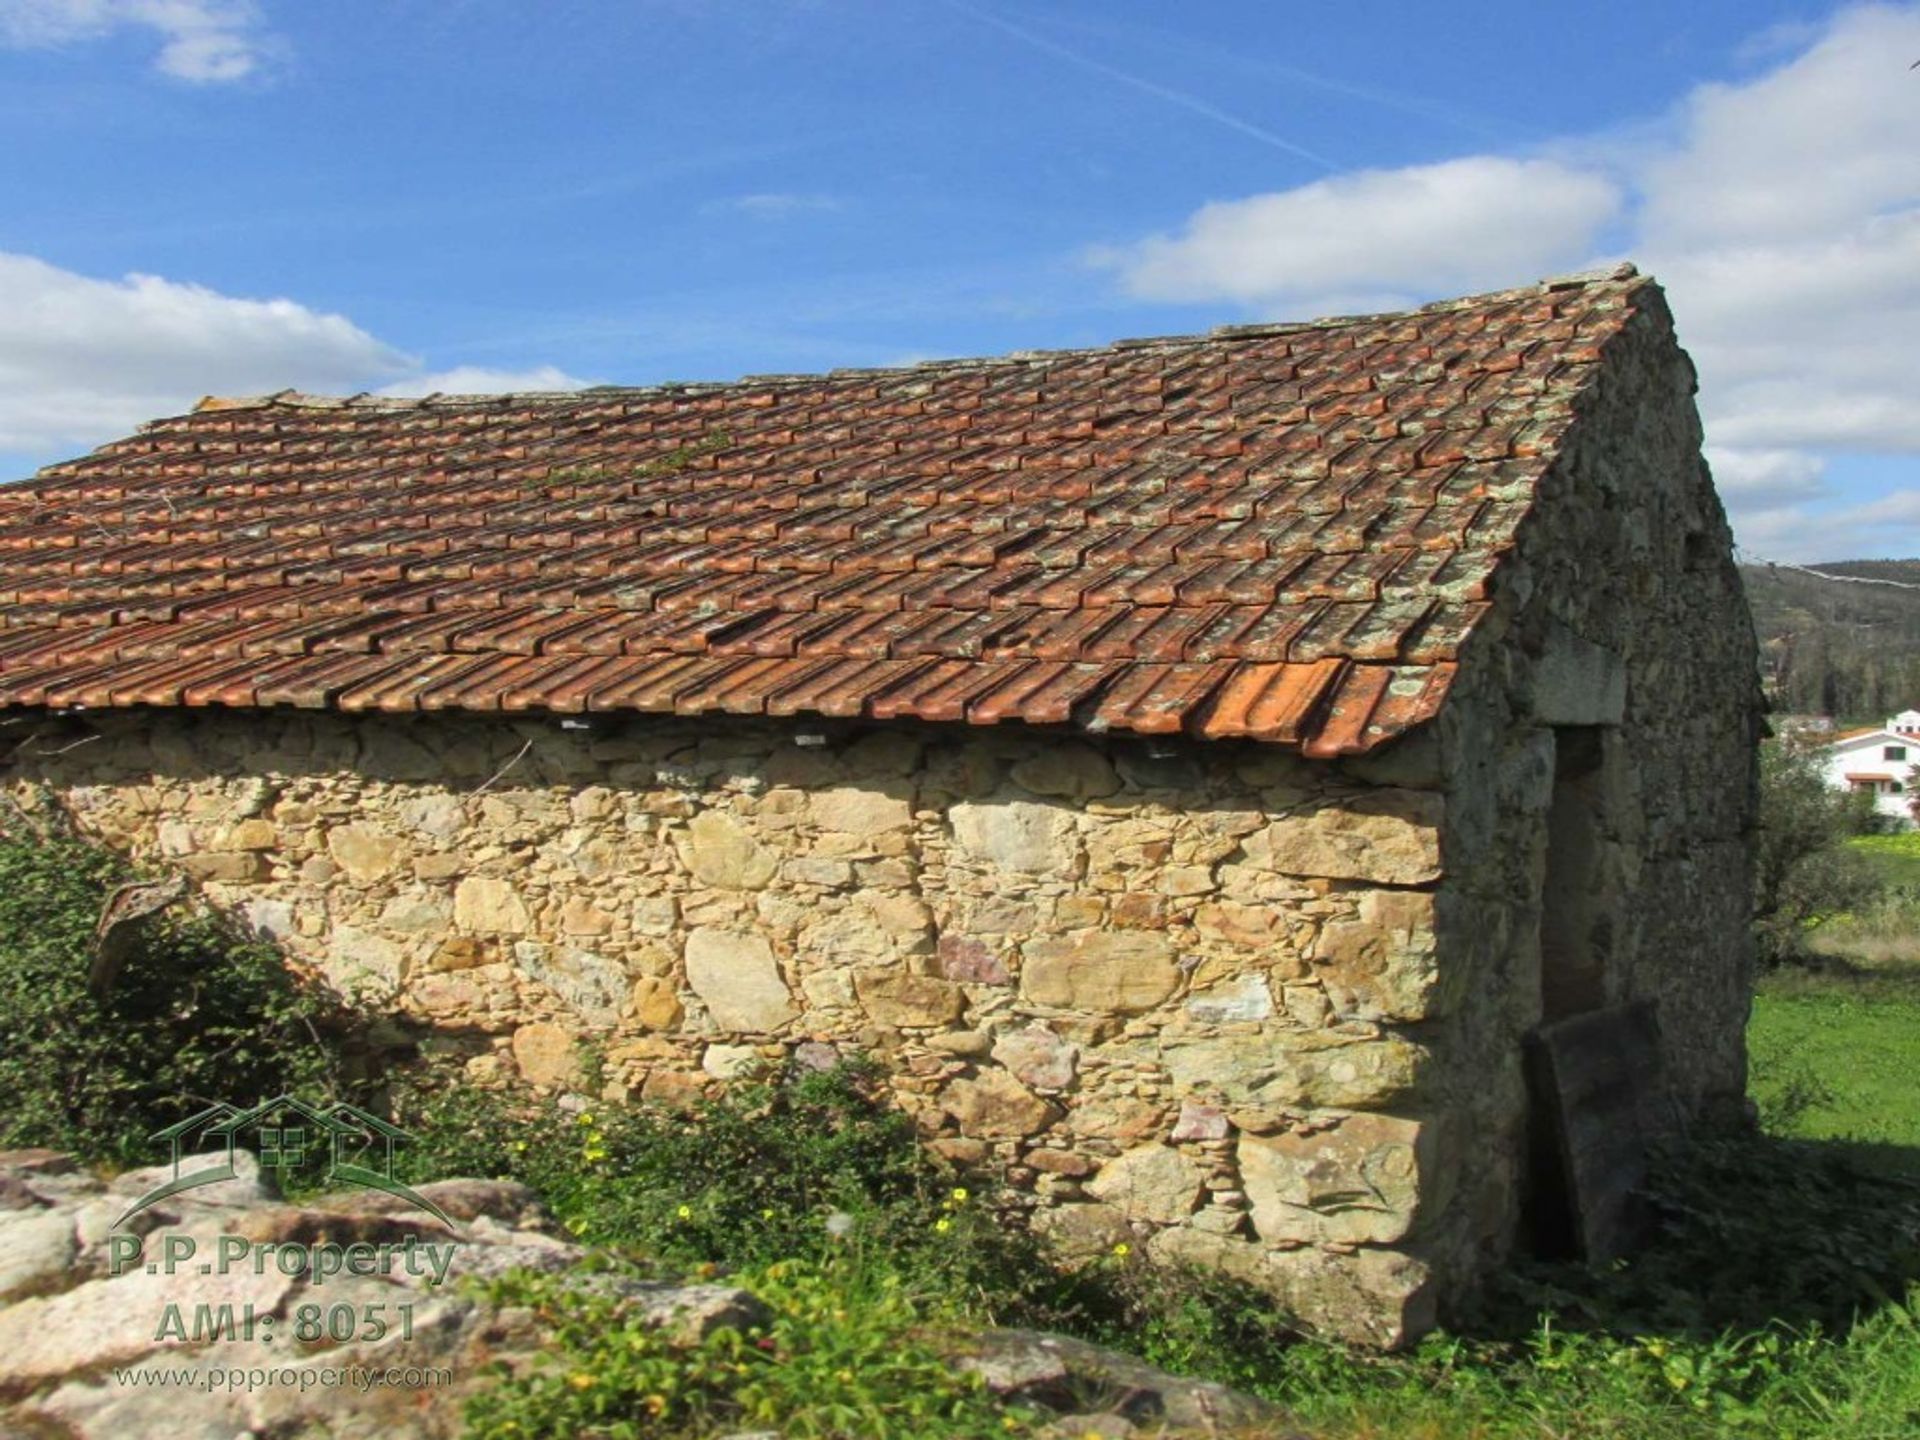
(442, 816)
(970, 961)
(1391, 837)
(591, 985)
(892, 997)
(365, 854)
(225, 867)
(1186, 880)
(545, 1054)
(1150, 1182)
(580, 916)
(1356, 1184)
(1245, 997)
(655, 915)
(737, 978)
(828, 989)
(356, 958)
(654, 1003)
(903, 916)
(839, 936)
(1383, 960)
(1083, 1232)
(970, 1043)
(457, 952)
(1018, 835)
(1251, 926)
(489, 906)
(1200, 1122)
(271, 918)
(1315, 1069)
(720, 852)
(1114, 1117)
(442, 865)
(1036, 1056)
(993, 1105)
(416, 913)
(855, 810)
(1107, 973)
(253, 835)
(812, 870)
(1059, 1162)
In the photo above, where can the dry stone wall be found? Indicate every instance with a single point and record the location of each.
(1179, 1000)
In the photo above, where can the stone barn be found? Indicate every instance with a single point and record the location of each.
(1199, 769)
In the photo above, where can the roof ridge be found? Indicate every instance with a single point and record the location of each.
(367, 400)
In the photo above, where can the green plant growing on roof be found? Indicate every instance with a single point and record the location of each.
(670, 463)
(681, 456)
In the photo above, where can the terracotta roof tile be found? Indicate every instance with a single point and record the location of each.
(1277, 532)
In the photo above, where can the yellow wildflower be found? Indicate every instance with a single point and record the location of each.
(685, 1212)
(942, 1225)
(960, 1195)
(1123, 1249)
(580, 1380)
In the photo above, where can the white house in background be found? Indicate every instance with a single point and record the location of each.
(1882, 761)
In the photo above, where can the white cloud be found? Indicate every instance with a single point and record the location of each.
(1378, 236)
(1781, 211)
(480, 380)
(1784, 219)
(83, 359)
(1765, 479)
(1801, 152)
(203, 41)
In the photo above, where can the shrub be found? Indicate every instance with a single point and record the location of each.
(843, 1357)
(197, 1011)
(748, 1178)
(1803, 869)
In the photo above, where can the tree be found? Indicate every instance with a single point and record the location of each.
(1803, 870)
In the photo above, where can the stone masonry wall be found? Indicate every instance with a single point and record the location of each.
(1627, 550)
(1186, 1002)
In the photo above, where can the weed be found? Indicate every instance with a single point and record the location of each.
(681, 456)
(841, 1357)
(196, 1012)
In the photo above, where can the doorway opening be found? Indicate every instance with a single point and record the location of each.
(1575, 944)
(1575, 926)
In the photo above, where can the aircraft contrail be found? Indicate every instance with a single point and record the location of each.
(1150, 87)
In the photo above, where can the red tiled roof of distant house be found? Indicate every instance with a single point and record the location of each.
(1282, 532)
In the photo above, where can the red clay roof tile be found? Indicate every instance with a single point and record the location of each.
(1277, 532)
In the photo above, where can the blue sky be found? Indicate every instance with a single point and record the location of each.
(216, 196)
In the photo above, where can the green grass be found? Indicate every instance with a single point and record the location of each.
(1896, 857)
(1837, 1057)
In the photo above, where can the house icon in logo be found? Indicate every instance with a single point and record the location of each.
(342, 1142)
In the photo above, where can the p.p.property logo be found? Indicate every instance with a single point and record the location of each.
(295, 1142)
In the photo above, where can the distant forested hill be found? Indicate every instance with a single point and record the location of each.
(1836, 648)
